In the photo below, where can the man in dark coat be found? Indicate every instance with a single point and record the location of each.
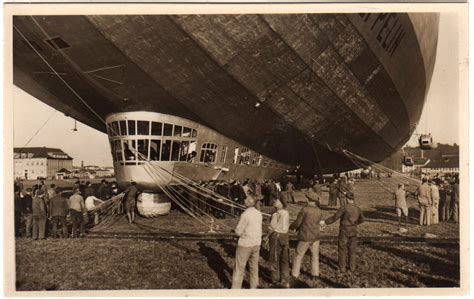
(350, 216)
(332, 202)
(131, 201)
(58, 208)
(307, 224)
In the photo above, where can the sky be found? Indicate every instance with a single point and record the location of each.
(440, 115)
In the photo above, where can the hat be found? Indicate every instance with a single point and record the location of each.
(39, 192)
(350, 195)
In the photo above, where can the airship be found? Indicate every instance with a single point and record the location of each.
(232, 96)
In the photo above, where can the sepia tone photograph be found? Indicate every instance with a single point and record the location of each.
(186, 148)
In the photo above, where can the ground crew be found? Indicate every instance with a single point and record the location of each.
(401, 204)
(424, 200)
(333, 194)
(350, 216)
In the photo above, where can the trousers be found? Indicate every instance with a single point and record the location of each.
(55, 221)
(446, 210)
(279, 257)
(28, 224)
(77, 220)
(435, 213)
(39, 227)
(425, 215)
(332, 202)
(347, 246)
(242, 256)
(301, 249)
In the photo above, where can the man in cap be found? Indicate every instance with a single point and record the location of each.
(40, 214)
(350, 216)
(249, 230)
(307, 226)
(77, 208)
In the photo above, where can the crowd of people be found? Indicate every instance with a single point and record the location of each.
(41, 210)
(307, 225)
(438, 199)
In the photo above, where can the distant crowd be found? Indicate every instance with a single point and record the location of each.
(41, 210)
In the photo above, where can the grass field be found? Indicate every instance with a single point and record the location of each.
(106, 264)
(88, 264)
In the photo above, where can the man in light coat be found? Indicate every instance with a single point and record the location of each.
(249, 230)
(434, 193)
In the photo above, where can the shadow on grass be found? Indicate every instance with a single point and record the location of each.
(332, 284)
(217, 264)
(427, 280)
(437, 267)
(328, 261)
(389, 213)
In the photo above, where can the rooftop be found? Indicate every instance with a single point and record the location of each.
(40, 152)
(447, 162)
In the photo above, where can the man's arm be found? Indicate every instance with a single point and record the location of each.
(239, 229)
(361, 217)
(336, 216)
(299, 219)
(274, 221)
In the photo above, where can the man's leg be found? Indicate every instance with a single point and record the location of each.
(422, 214)
(74, 223)
(455, 211)
(28, 224)
(428, 215)
(81, 223)
(300, 252)
(242, 255)
(62, 220)
(352, 252)
(35, 228)
(253, 266)
(315, 258)
(274, 257)
(54, 222)
(342, 250)
(42, 227)
(284, 245)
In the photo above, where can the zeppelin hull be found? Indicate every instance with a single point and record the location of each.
(322, 82)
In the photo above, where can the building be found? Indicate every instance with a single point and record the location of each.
(32, 163)
(448, 164)
(417, 164)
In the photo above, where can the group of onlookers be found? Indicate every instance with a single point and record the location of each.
(438, 200)
(437, 197)
(308, 224)
(36, 205)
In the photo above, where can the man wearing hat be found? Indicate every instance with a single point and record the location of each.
(350, 216)
(76, 209)
(307, 226)
(40, 214)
